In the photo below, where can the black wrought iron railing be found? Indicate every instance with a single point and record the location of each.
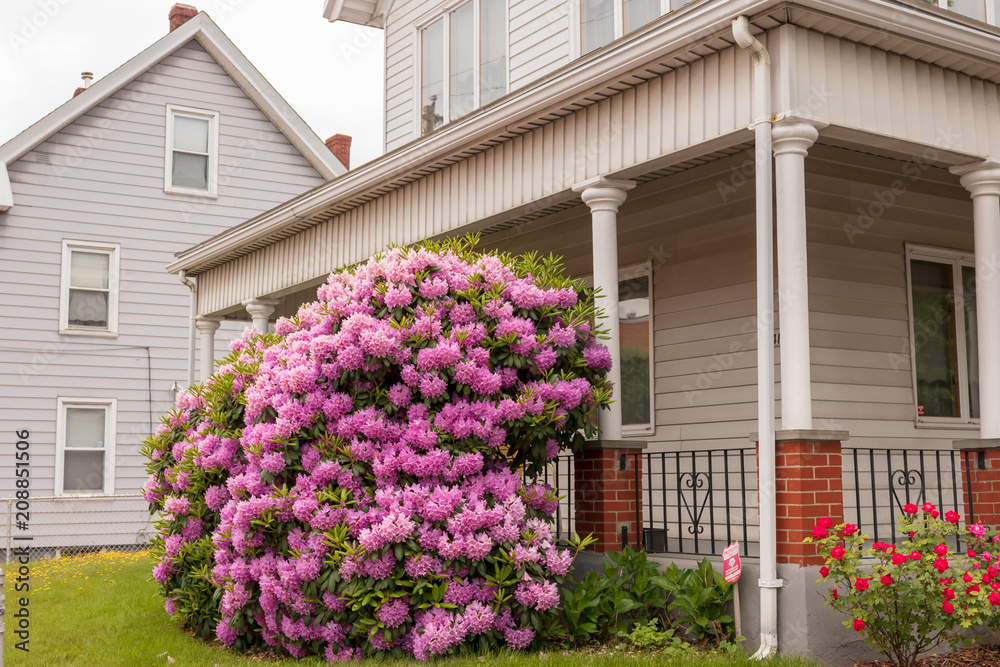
(559, 474)
(879, 483)
(697, 502)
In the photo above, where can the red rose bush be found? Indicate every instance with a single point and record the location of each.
(909, 598)
(351, 484)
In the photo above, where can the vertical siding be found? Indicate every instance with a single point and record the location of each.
(104, 183)
(667, 114)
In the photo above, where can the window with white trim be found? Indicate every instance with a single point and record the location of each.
(89, 295)
(192, 151)
(603, 21)
(463, 62)
(85, 446)
(982, 10)
(944, 335)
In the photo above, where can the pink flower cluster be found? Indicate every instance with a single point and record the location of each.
(364, 461)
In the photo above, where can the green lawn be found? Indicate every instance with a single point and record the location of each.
(104, 610)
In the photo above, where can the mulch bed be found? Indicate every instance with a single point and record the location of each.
(981, 655)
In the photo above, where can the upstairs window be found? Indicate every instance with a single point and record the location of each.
(85, 446)
(192, 151)
(603, 21)
(944, 334)
(463, 62)
(982, 10)
(89, 299)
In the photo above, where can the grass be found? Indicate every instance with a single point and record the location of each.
(104, 609)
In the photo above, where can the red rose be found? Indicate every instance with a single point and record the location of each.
(972, 554)
(995, 585)
(967, 578)
(819, 533)
(915, 556)
(837, 552)
(886, 580)
(898, 559)
(850, 529)
(941, 564)
(945, 582)
(935, 514)
(972, 590)
(834, 594)
(861, 584)
(948, 608)
(910, 508)
(824, 572)
(859, 625)
(994, 599)
(952, 517)
(927, 507)
(880, 546)
(949, 594)
(825, 522)
(992, 570)
(941, 549)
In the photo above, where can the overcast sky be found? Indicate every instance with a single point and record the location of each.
(331, 73)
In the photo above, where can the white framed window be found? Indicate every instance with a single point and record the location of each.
(603, 21)
(635, 345)
(192, 151)
(944, 339)
(982, 10)
(85, 446)
(88, 303)
(463, 61)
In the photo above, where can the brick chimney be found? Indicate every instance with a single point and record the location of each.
(340, 145)
(181, 14)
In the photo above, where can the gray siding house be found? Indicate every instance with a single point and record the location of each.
(631, 137)
(178, 144)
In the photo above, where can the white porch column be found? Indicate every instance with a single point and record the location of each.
(604, 196)
(260, 310)
(207, 326)
(982, 180)
(791, 142)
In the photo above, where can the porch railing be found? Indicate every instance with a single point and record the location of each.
(559, 474)
(878, 483)
(698, 502)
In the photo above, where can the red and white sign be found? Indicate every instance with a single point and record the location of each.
(731, 565)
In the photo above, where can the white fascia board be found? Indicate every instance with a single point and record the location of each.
(6, 194)
(699, 22)
(358, 12)
(213, 40)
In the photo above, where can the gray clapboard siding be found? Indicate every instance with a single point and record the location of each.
(104, 183)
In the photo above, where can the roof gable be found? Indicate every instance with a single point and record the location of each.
(202, 29)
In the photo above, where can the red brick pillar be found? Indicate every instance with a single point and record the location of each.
(980, 481)
(608, 495)
(808, 486)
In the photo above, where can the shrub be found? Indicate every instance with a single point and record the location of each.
(350, 484)
(914, 596)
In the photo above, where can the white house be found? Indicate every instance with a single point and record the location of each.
(178, 144)
(627, 136)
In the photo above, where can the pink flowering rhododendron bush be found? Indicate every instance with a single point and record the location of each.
(352, 483)
(908, 598)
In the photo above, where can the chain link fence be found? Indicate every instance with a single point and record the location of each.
(54, 526)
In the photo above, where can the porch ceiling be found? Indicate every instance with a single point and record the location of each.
(675, 41)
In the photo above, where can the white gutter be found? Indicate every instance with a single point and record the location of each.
(6, 193)
(769, 582)
(193, 315)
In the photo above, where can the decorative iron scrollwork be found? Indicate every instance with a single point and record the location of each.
(695, 481)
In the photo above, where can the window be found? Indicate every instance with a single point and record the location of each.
(603, 21)
(463, 62)
(635, 336)
(944, 335)
(89, 300)
(192, 151)
(85, 446)
(982, 10)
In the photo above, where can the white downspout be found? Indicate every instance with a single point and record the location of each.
(192, 332)
(769, 582)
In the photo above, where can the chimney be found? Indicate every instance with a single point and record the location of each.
(181, 14)
(87, 78)
(340, 145)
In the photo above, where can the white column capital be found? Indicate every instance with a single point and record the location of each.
(207, 325)
(603, 194)
(794, 135)
(260, 307)
(980, 178)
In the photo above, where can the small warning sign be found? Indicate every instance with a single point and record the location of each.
(731, 565)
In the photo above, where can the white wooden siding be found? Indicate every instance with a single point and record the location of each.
(103, 181)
